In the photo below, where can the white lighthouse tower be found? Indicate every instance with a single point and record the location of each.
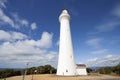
(66, 63)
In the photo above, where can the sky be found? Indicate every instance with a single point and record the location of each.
(29, 32)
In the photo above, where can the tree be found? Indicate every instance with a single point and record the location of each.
(116, 69)
(9, 72)
(105, 70)
(89, 70)
(41, 70)
(47, 69)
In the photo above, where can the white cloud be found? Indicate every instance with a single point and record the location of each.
(16, 21)
(19, 22)
(92, 60)
(33, 26)
(2, 3)
(5, 19)
(13, 20)
(111, 23)
(108, 56)
(95, 42)
(17, 35)
(11, 36)
(109, 26)
(4, 35)
(22, 51)
(100, 51)
(116, 11)
(24, 22)
(46, 40)
(15, 47)
(108, 60)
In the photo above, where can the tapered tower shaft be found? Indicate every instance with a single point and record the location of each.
(66, 63)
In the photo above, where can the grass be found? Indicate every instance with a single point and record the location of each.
(54, 77)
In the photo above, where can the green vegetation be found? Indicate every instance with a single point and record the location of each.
(105, 70)
(47, 69)
(9, 72)
(116, 69)
(89, 70)
(110, 70)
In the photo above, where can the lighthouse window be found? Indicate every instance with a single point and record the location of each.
(66, 70)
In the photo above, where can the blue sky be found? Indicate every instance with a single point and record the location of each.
(29, 32)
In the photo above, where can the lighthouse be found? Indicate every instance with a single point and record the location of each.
(66, 64)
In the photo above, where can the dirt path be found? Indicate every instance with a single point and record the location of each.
(53, 77)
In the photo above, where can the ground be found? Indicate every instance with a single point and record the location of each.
(54, 77)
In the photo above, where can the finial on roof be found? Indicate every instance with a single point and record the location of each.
(65, 11)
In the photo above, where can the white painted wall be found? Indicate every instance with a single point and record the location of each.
(81, 71)
(66, 63)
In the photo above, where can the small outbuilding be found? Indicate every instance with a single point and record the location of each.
(81, 69)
